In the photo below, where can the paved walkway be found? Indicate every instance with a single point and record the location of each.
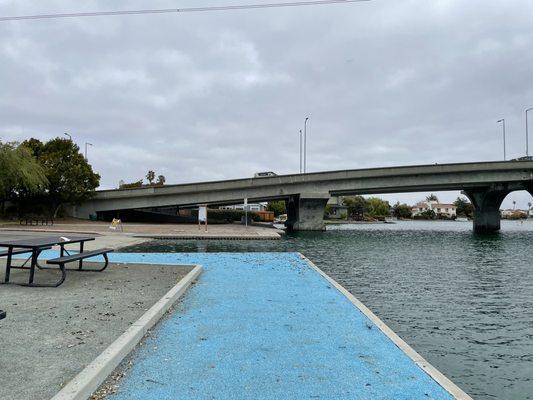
(267, 326)
(139, 230)
(112, 240)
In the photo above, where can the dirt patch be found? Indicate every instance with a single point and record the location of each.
(51, 334)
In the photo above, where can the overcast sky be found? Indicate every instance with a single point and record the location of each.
(221, 95)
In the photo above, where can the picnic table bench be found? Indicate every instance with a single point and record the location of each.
(37, 244)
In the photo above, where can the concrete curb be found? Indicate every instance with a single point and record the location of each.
(83, 385)
(200, 237)
(435, 374)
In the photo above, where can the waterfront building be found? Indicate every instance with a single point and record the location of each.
(514, 214)
(335, 208)
(254, 207)
(448, 210)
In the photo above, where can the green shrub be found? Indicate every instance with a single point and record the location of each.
(428, 214)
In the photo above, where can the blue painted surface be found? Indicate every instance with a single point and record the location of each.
(267, 326)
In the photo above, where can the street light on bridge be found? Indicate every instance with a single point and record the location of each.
(504, 150)
(87, 144)
(527, 133)
(66, 134)
(305, 144)
(301, 151)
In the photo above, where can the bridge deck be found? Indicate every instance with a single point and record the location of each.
(267, 326)
(517, 175)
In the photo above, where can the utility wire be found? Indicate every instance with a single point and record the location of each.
(179, 10)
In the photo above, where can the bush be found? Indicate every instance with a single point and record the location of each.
(278, 207)
(401, 211)
(445, 217)
(429, 214)
(378, 208)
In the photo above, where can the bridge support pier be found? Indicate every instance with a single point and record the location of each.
(305, 212)
(487, 202)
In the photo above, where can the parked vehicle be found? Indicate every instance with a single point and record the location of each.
(266, 174)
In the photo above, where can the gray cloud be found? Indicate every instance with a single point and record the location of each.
(222, 95)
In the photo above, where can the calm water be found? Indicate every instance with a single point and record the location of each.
(465, 302)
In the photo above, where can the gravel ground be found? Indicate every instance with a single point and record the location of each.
(51, 334)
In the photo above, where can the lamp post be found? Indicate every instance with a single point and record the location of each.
(87, 144)
(527, 133)
(66, 134)
(504, 150)
(305, 144)
(300, 151)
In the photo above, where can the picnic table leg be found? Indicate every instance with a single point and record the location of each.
(37, 260)
(8, 264)
(106, 263)
(63, 275)
(34, 255)
(81, 261)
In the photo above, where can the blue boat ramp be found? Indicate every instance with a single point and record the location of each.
(269, 326)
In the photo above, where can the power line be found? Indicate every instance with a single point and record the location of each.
(179, 10)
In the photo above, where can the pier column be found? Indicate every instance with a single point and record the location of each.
(305, 212)
(487, 202)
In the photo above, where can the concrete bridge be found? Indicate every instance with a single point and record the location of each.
(485, 183)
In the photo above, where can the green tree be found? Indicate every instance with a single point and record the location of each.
(20, 173)
(150, 176)
(161, 180)
(131, 185)
(357, 207)
(401, 210)
(35, 146)
(278, 207)
(432, 197)
(464, 208)
(71, 178)
(378, 207)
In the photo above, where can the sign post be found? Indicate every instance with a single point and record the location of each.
(202, 216)
(246, 211)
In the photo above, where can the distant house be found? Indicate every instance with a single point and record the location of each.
(447, 210)
(507, 213)
(514, 214)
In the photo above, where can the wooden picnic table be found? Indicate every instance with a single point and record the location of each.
(35, 246)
